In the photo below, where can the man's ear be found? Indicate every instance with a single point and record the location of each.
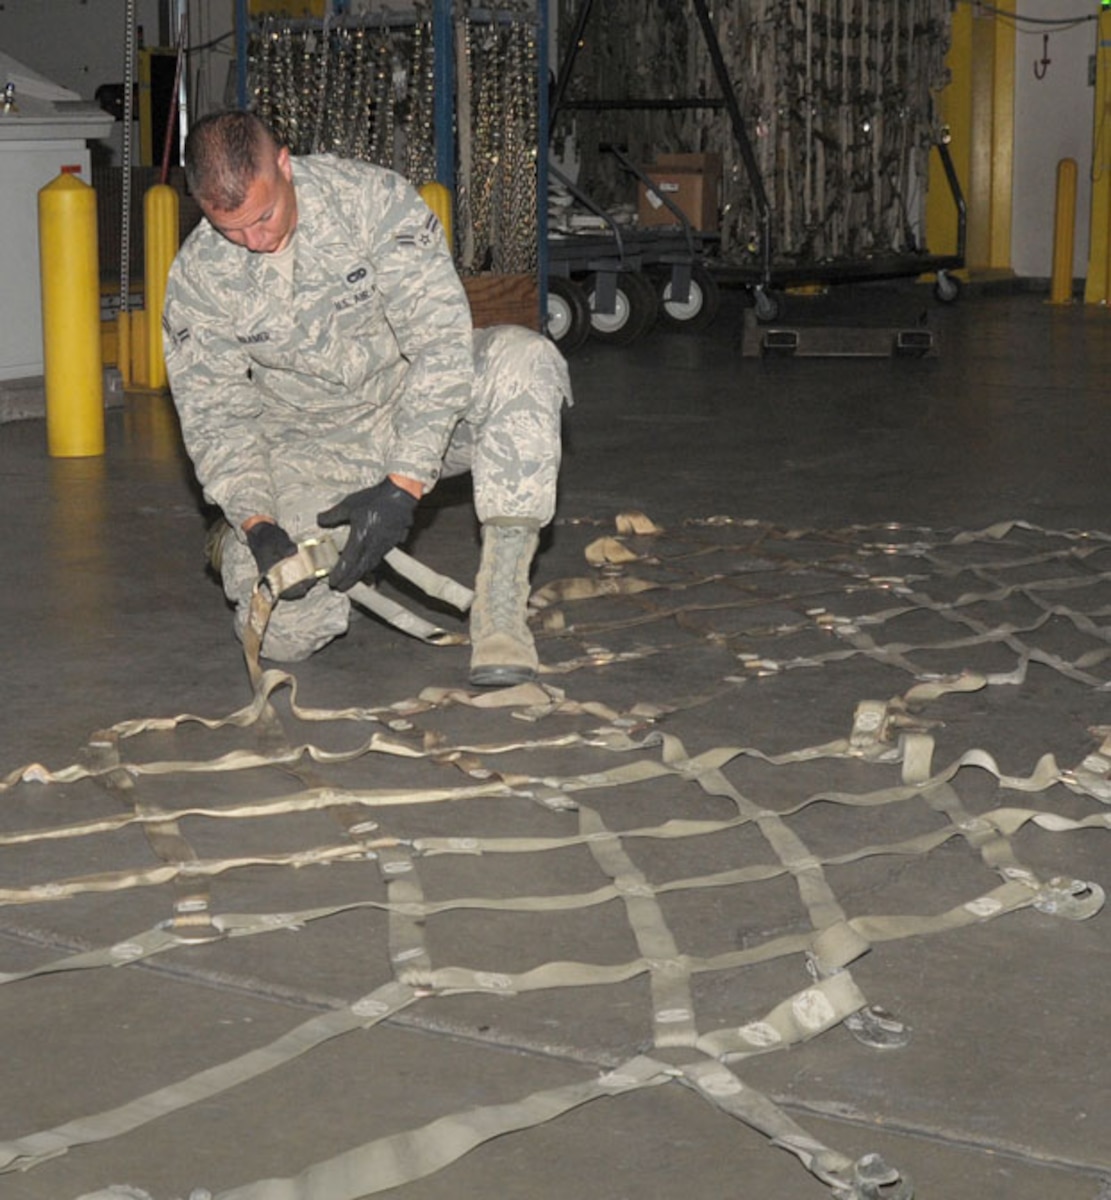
(284, 165)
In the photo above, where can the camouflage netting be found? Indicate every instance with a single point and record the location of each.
(836, 97)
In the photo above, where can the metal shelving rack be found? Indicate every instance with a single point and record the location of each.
(444, 16)
(765, 274)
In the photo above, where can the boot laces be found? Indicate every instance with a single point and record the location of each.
(502, 610)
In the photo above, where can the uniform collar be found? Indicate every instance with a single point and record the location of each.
(316, 221)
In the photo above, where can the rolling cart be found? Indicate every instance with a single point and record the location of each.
(616, 283)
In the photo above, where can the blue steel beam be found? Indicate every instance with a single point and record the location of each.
(443, 67)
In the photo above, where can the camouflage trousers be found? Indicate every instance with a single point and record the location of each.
(508, 438)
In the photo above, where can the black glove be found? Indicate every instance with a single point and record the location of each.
(380, 517)
(270, 543)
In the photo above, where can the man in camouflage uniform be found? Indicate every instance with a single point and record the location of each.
(322, 360)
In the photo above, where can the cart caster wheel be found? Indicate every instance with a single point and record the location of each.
(947, 289)
(700, 307)
(635, 310)
(568, 318)
(767, 305)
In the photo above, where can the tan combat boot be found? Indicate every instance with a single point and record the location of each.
(215, 540)
(502, 649)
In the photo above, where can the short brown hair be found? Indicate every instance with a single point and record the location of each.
(224, 154)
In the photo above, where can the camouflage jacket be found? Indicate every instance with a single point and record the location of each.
(376, 316)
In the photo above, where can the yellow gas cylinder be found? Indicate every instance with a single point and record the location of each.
(160, 242)
(72, 366)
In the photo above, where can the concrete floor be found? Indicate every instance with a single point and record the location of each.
(1003, 1090)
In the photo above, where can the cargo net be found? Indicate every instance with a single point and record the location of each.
(616, 822)
(836, 97)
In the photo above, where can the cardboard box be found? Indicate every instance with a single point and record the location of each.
(691, 182)
(708, 164)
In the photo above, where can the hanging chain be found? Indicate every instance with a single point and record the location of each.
(420, 140)
(502, 60)
(836, 95)
(130, 48)
(365, 88)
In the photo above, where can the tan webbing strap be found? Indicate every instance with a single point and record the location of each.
(121, 880)
(433, 584)
(1078, 899)
(191, 919)
(315, 558)
(27, 1152)
(401, 1158)
(717, 1084)
(259, 608)
(134, 949)
(244, 760)
(408, 952)
(401, 618)
(814, 891)
(1092, 777)
(1010, 820)
(672, 1001)
(309, 800)
(797, 1019)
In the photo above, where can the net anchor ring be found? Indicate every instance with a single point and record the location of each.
(1073, 899)
(873, 1179)
(876, 1027)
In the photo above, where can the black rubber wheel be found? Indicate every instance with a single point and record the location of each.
(636, 309)
(701, 306)
(767, 304)
(947, 289)
(568, 317)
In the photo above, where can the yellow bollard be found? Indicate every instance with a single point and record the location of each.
(1096, 282)
(72, 366)
(438, 198)
(160, 242)
(1064, 233)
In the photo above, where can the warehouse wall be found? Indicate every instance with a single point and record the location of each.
(1053, 120)
(80, 44)
(77, 43)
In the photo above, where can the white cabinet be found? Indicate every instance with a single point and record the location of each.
(38, 141)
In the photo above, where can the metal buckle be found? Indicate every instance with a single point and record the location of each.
(315, 557)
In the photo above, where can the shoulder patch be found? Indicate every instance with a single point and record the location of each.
(423, 237)
(177, 337)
